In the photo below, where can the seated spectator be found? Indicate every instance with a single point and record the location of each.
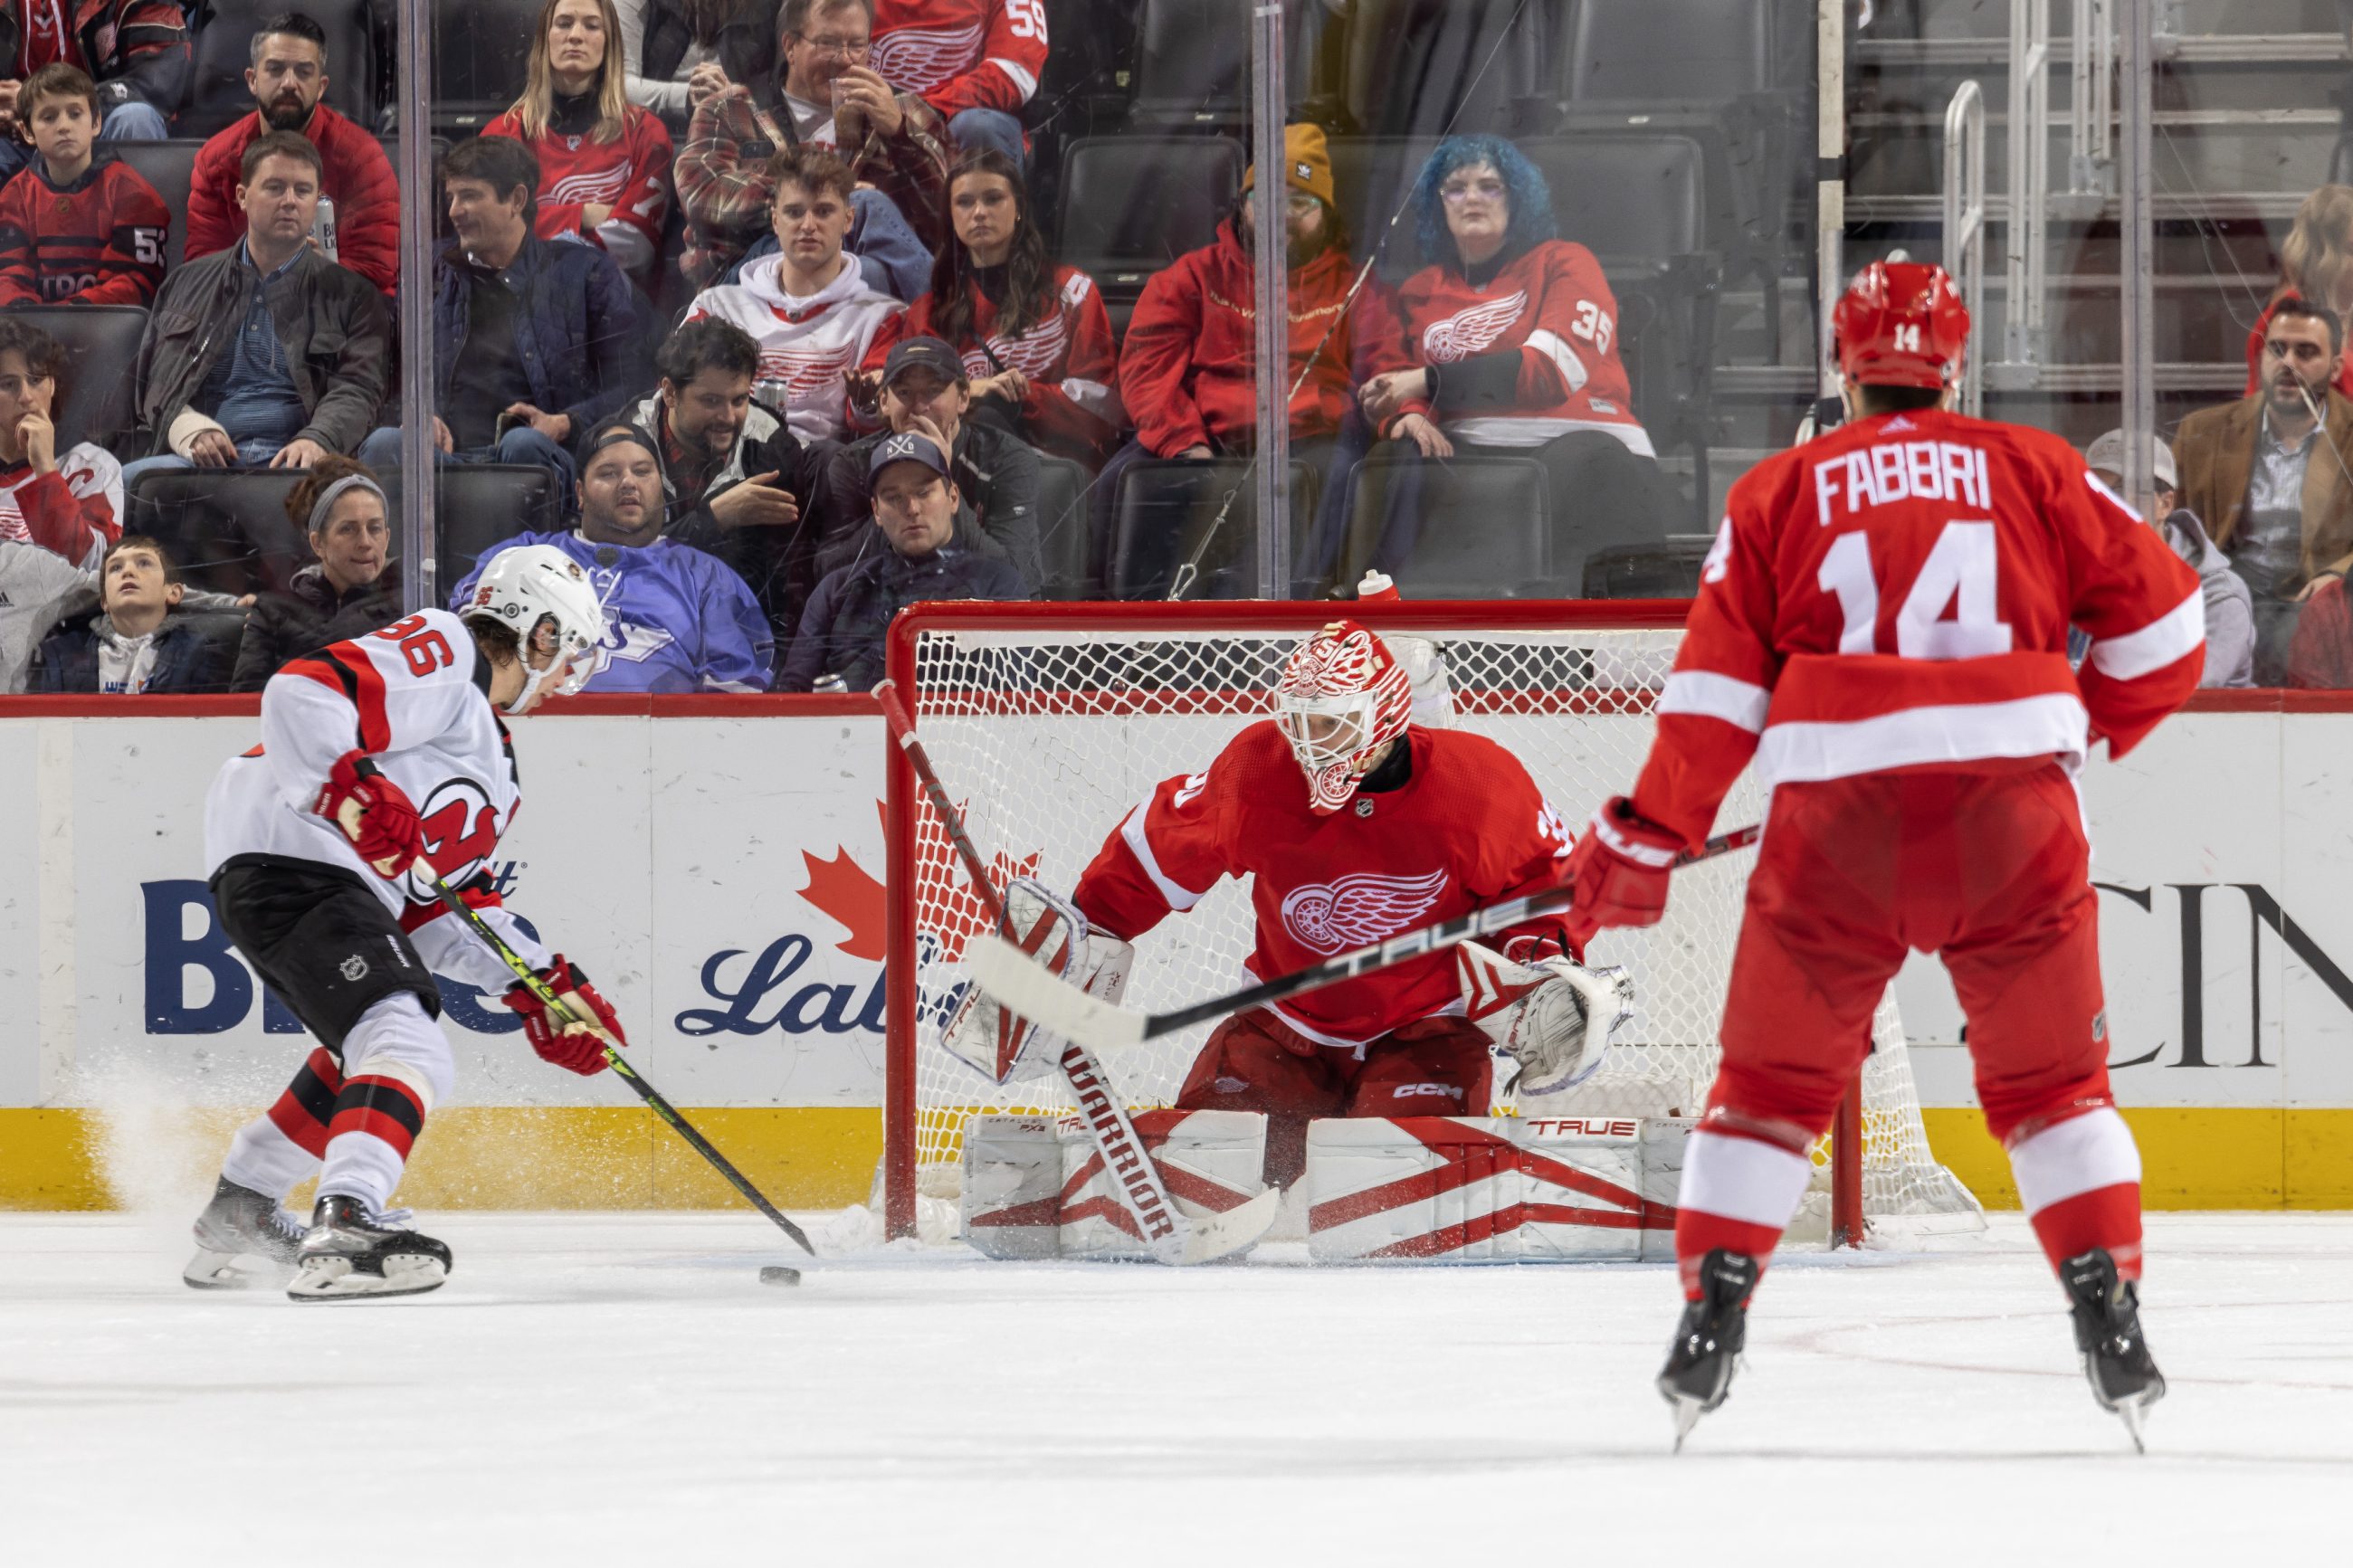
(737, 481)
(925, 392)
(1516, 332)
(144, 641)
(975, 62)
(2316, 263)
(676, 620)
(807, 307)
(288, 80)
(604, 163)
(1185, 369)
(350, 589)
(918, 557)
(2230, 612)
(137, 50)
(77, 225)
(69, 503)
(680, 52)
(891, 142)
(534, 342)
(1035, 338)
(2274, 482)
(268, 353)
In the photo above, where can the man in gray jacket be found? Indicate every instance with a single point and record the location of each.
(2229, 607)
(266, 353)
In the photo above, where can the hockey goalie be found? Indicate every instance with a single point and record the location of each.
(1354, 824)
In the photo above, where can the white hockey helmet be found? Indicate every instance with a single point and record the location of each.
(544, 597)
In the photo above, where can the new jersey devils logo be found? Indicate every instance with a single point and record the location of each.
(460, 830)
(1359, 910)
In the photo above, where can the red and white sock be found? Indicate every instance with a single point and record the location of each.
(2080, 1182)
(277, 1150)
(398, 1065)
(1738, 1193)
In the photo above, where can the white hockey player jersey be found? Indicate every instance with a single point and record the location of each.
(414, 697)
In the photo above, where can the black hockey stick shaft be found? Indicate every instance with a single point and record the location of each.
(1412, 944)
(618, 1063)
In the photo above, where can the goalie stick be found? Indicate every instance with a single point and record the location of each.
(1005, 972)
(617, 1062)
(1173, 1236)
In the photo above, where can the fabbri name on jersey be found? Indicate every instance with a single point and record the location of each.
(1902, 470)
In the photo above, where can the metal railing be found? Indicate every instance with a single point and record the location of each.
(1965, 222)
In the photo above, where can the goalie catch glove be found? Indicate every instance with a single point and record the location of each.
(1002, 1046)
(1550, 1014)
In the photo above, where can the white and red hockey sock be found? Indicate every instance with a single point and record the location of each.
(397, 1063)
(274, 1151)
(2080, 1182)
(1738, 1193)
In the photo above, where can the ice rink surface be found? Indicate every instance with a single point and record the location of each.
(595, 1389)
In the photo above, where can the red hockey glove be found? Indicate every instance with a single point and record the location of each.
(1621, 868)
(576, 1044)
(375, 813)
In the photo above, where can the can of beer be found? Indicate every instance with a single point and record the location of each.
(323, 227)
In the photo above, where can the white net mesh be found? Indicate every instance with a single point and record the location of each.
(1047, 738)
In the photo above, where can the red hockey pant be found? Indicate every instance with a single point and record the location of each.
(1432, 1066)
(1987, 868)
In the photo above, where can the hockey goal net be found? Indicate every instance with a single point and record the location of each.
(1047, 723)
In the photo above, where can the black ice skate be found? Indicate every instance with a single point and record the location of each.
(2106, 1309)
(241, 1224)
(348, 1255)
(1698, 1374)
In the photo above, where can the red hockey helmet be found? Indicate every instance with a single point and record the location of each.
(1343, 695)
(1901, 323)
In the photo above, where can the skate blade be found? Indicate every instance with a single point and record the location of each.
(1687, 1414)
(334, 1279)
(209, 1270)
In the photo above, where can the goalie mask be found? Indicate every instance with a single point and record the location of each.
(1341, 697)
(543, 596)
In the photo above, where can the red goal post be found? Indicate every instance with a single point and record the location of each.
(1048, 722)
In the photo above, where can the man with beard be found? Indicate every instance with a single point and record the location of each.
(1185, 369)
(738, 482)
(287, 79)
(2272, 473)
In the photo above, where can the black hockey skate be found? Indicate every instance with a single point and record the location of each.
(2106, 1309)
(242, 1224)
(348, 1255)
(1698, 1374)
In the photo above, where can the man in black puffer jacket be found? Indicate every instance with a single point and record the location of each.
(353, 588)
(911, 555)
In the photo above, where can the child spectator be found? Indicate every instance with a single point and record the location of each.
(77, 225)
(350, 589)
(808, 306)
(604, 163)
(288, 80)
(71, 503)
(1034, 336)
(141, 642)
(137, 50)
(975, 62)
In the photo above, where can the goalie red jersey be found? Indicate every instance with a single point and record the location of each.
(1467, 828)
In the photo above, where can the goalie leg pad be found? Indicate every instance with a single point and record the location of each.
(1012, 1197)
(1035, 1187)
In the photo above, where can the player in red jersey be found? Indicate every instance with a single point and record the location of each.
(1394, 826)
(1883, 624)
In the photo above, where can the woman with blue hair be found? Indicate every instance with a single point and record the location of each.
(1516, 336)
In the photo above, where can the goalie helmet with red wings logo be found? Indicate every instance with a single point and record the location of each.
(1901, 323)
(1341, 697)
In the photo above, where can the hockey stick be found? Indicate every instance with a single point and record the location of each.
(617, 1061)
(1004, 972)
(1173, 1236)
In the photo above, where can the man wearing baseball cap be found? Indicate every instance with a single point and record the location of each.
(2229, 607)
(1185, 373)
(913, 552)
(924, 390)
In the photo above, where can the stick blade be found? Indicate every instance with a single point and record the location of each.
(1047, 1000)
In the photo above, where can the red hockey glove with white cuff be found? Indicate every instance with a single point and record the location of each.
(577, 1043)
(375, 813)
(1621, 867)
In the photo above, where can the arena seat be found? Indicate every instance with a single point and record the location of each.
(1131, 204)
(1166, 510)
(170, 167)
(226, 527)
(1062, 531)
(477, 505)
(1486, 530)
(1650, 571)
(97, 397)
(482, 54)
(1428, 67)
(1192, 65)
(1371, 177)
(217, 95)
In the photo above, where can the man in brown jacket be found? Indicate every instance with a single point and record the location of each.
(2273, 474)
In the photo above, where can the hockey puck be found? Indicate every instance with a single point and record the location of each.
(777, 1274)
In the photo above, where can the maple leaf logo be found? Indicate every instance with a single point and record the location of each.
(950, 911)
